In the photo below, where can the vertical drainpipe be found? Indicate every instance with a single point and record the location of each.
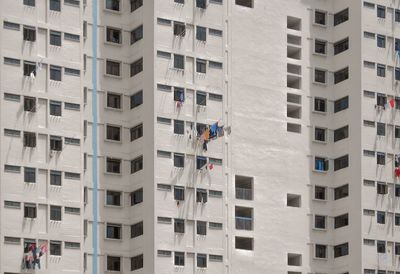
(94, 139)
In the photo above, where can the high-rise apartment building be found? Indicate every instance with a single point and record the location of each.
(200, 136)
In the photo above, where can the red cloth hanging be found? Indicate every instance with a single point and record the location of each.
(210, 166)
(397, 172)
(391, 102)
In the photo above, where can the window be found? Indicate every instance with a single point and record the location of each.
(71, 37)
(320, 193)
(201, 33)
(55, 248)
(320, 104)
(244, 243)
(137, 164)
(397, 219)
(380, 158)
(320, 76)
(397, 132)
(29, 139)
(341, 17)
(113, 165)
(320, 17)
(319, 222)
(216, 226)
(55, 213)
(201, 196)
(29, 175)
(201, 228)
(55, 143)
(321, 164)
(136, 99)
(341, 250)
(55, 178)
(341, 104)
(29, 68)
(381, 41)
(55, 38)
(380, 129)
(179, 259)
(341, 192)
(12, 61)
(381, 188)
(72, 106)
(341, 75)
(30, 210)
(29, 34)
(201, 162)
(55, 73)
(112, 5)
(201, 65)
(55, 108)
(201, 98)
(114, 231)
(179, 193)
(342, 220)
(341, 162)
(137, 197)
(397, 78)
(179, 29)
(29, 3)
(179, 61)
(136, 67)
(381, 99)
(137, 230)
(113, 133)
(113, 68)
(136, 132)
(245, 3)
(397, 15)
(397, 250)
(381, 12)
(114, 100)
(320, 251)
(341, 46)
(201, 260)
(113, 198)
(113, 263)
(136, 34)
(113, 35)
(215, 32)
(55, 5)
(341, 133)
(397, 191)
(179, 226)
(179, 127)
(320, 47)
(381, 70)
(216, 65)
(179, 94)
(12, 132)
(135, 4)
(72, 176)
(381, 246)
(137, 262)
(380, 217)
(13, 169)
(201, 4)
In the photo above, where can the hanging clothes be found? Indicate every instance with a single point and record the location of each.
(214, 130)
(391, 102)
(205, 145)
(220, 131)
(397, 172)
(210, 166)
(207, 134)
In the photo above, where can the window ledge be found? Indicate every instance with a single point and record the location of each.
(113, 109)
(112, 173)
(113, 43)
(112, 76)
(320, 171)
(320, 142)
(112, 141)
(320, 25)
(320, 84)
(111, 239)
(112, 11)
(319, 200)
(319, 112)
(320, 54)
(320, 259)
(113, 206)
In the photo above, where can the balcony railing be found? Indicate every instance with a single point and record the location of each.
(244, 223)
(244, 193)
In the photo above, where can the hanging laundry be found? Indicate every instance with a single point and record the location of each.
(205, 145)
(211, 166)
(220, 131)
(43, 248)
(397, 172)
(391, 102)
(214, 130)
(207, 134)
(32, 75)
(181, 97)
(178, 104)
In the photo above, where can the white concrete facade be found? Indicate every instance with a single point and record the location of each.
(299, 179)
